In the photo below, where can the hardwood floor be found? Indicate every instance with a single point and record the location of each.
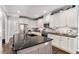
(5, 49)
(58, 51)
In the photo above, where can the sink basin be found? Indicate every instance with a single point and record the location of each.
(32, 35)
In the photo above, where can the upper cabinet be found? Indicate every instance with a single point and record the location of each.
(55, 20)
(71, 17)
(63, 18)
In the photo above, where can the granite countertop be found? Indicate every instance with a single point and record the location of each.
(61, 31)
(64, 31)
(57, 33)
(66, 35)
(30, 42)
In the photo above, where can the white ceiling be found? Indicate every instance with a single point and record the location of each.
(32, 11)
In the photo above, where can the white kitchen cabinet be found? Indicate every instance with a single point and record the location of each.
(31, 50)
(58, 19)
(64, 43)
(78, 45)
(60, 41)
(68, 17)
(49, 49)
(67, 44)
(72, 45)
(71, 17)
(51, 21)
(55, 20)
(56, 39)
(45, 48)
(63, 18)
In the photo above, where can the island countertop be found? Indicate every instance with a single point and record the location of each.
(30, 42)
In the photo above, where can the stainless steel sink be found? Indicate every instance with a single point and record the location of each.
(32, 35)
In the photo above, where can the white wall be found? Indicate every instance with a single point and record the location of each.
(13, 24)
(78, 27)
(40, 23)
(0, 26)
(3, 20)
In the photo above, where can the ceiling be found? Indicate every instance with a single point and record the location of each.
(32, 11)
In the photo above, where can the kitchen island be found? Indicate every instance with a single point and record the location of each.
(33, 45)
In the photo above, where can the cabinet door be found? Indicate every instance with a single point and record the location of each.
(25, 51)
(62, 18)
(69, 44)
(64, 43)
(45, 48)
(71, 16)
(31, 50)
(55, 20)
(49, 48)
(78, 45)
(73, 45)
(41, 49)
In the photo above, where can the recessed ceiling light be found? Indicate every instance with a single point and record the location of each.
(45, 11)
(18, 11)
(0, 13)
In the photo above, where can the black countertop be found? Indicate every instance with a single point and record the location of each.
(30, 42)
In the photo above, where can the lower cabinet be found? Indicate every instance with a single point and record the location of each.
(67, 44)
(73, 44)
(64, 43)
(78, 45)
(45, 48)
(56, 39)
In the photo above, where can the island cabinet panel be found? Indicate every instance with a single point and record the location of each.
(30, 50)
(78, 44)
(45, 48)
